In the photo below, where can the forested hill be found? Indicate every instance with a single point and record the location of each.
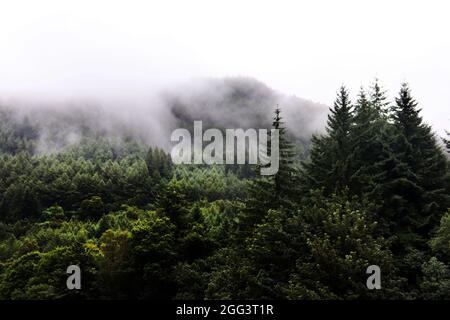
(244, 103)
(374, 191)
(220, 103)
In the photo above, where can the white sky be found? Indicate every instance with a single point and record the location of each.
(108, 48)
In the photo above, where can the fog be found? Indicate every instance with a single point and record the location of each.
(236, 102)
(128, 57)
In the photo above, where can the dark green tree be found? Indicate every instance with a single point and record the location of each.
(328, 167)
(277, 190)
(159, 163)
(154, 253)
(378, 99)
(413, 188)
(367, 144)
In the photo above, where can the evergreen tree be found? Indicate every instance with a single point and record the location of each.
(276, 191)
(415, 180)
(339, 242)
(284, 184)
(328, 167)
(378, 99)
(158, 163)
(367, 145)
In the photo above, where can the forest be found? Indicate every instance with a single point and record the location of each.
(372, 189)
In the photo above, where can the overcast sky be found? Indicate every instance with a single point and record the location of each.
(81, 49)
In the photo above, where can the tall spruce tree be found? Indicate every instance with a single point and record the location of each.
(275, 191)
(378, 99)
(414, 186)
(328, 167)
(285, 179)
(366, 145)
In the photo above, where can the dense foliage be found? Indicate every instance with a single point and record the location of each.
(375, 190)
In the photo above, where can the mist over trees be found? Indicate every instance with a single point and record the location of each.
(373, 188)
(49, 127)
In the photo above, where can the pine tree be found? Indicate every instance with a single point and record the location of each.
(285, 178)
(158, 163)
(378, 99)
(367, 144)
(414, 186)
(276, 191)
(328, 167)
(363, 107)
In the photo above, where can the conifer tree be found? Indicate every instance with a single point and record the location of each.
(276, 191)
(285, 178)
(367, 145)
(328, 167)
(378, 99)
(414, 186)
(158, 163)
